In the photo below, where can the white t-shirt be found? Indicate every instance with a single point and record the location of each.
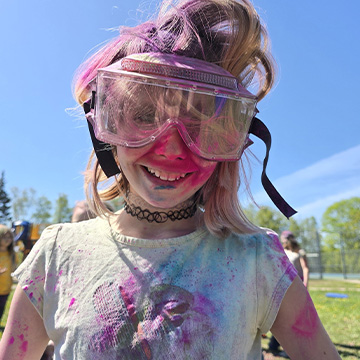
(294, 258)
(103, 295)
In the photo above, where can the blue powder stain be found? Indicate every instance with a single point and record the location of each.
(165, 187)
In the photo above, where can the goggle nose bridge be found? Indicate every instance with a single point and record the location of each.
(181, 128)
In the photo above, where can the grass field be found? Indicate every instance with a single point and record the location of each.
(341, 317)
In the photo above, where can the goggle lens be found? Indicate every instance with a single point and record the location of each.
(133, 111)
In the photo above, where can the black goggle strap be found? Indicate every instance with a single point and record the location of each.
(102, 150)
(259, 129)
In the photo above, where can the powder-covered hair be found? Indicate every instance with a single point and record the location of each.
(228, 33)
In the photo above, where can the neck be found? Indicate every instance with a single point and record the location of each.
(156, 223)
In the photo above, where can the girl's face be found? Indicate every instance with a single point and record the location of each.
(6, 240)
(164, 173)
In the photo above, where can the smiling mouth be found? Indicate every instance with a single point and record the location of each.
(165, 175)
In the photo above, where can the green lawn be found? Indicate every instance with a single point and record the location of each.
(341, 317)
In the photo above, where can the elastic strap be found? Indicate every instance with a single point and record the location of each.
(259, 129)
(103, 150)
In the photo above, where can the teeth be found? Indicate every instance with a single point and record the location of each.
(165, 176)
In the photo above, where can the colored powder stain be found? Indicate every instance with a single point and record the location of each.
(60, 273)
(21, 337)
(306, 323)
(24, 346)
(135, 268)
(11, 341)
(25, 288)
(72, 302)
(31, 295)
(165, 187)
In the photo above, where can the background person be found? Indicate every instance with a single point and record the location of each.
(7, 265)
(297, 257)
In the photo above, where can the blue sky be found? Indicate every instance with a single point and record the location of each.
(312, 115)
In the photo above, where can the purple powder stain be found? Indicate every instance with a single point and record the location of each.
(24, 346)
(25, 287)
(72, 302)
(135, 268)
(21, 337)
(11, 341)
(31, 295)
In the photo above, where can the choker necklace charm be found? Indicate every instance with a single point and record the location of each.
(160, 216)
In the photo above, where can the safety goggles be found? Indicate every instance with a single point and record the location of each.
(140, 97)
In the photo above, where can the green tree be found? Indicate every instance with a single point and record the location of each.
(42, 213)
(271, 219)
(22, 201)
(341, 223)
(250, 212)
(308, 234)
(62, 212)
(4, 201)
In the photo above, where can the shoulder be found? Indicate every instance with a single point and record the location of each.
(265, 243)
(75, 232)
(302, 252)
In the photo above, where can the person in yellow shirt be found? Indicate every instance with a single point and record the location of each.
(7, 265)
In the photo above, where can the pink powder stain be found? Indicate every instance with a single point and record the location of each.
(21, 337)
(60, 272)
(306, 323)
(23, 346)
(31, 295)
(72, 302)
(11, 341)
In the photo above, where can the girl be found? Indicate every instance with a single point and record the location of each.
(7, 265)
(296, 255)
(178, 272)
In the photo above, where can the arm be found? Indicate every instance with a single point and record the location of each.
(305, 268)
(25, 337)
(298, 328)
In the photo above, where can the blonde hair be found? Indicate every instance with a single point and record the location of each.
(4, 230)
(228, 33)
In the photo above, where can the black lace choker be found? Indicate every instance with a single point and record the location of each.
(160, 216)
